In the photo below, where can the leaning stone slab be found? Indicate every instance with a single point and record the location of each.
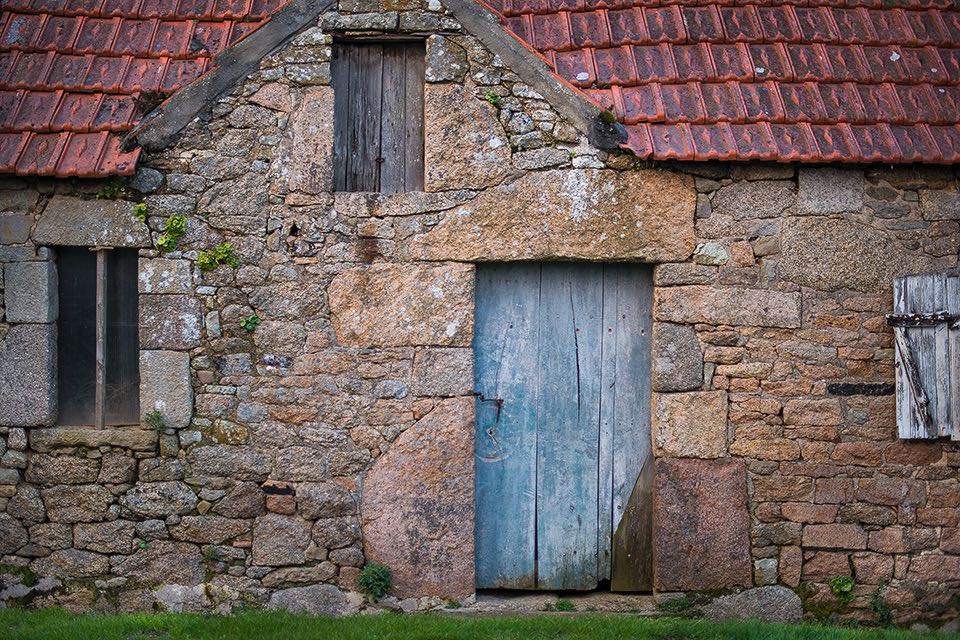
(391, 305)
(165, 386)
(28, 376)
(581, 214)
(30, 291)
(729, 305)
(701, 525)
(417, 505)
(73, 222)
(772, 604)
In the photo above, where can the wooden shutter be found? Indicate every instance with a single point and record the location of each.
(927, 338)
(378, 116)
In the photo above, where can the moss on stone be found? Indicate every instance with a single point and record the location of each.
(27, 577)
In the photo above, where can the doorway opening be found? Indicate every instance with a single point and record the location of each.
(563, 448)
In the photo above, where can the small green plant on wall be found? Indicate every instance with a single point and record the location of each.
(842, 587)
(140, 210)
(210, 259)
(173, 230)
(155, 419)
(493, 98)
(112, 190)
(879, 605)
(251, 323)
(374, 581)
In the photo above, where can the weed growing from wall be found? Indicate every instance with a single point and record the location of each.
(210, 259)
(173, 230)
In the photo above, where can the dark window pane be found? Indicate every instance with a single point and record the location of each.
(77, 339)
(123, 366)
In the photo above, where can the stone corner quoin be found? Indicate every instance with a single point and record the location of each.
(340, 429)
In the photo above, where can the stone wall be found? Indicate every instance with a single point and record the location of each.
(778, 319)
(340, 430)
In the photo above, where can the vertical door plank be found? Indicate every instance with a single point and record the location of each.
(568, 434)
(505, 379)
(634, 289)
(342, 119)
(629, 393)
(953, 339)
(941, 355)
(414, 76)
(361, 126)
(393, 121)
(905, 423)
(924, 345)
(608, 420)
(123, 355)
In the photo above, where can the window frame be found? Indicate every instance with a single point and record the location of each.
(102, 321)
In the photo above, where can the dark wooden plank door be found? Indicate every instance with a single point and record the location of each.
(562, 372)
(378, 116)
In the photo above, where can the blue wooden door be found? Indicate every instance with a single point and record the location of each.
(563, 422)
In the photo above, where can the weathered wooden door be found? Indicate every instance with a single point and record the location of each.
(563, 421)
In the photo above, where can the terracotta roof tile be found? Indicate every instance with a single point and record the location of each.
(805, 80)
(71, 72)
(788, 80)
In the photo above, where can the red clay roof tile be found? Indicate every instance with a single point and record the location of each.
(71, 72)
(804, 80)
(788, 80)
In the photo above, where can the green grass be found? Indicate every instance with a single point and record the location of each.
(51, 624)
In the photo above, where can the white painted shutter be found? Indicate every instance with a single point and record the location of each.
(926, 308)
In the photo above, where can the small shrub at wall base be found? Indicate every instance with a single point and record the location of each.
(374, 581)
(565, 605)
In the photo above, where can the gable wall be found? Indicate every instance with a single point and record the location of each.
(341, 430)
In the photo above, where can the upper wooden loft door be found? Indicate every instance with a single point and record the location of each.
(562, 374)
(378, 116)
